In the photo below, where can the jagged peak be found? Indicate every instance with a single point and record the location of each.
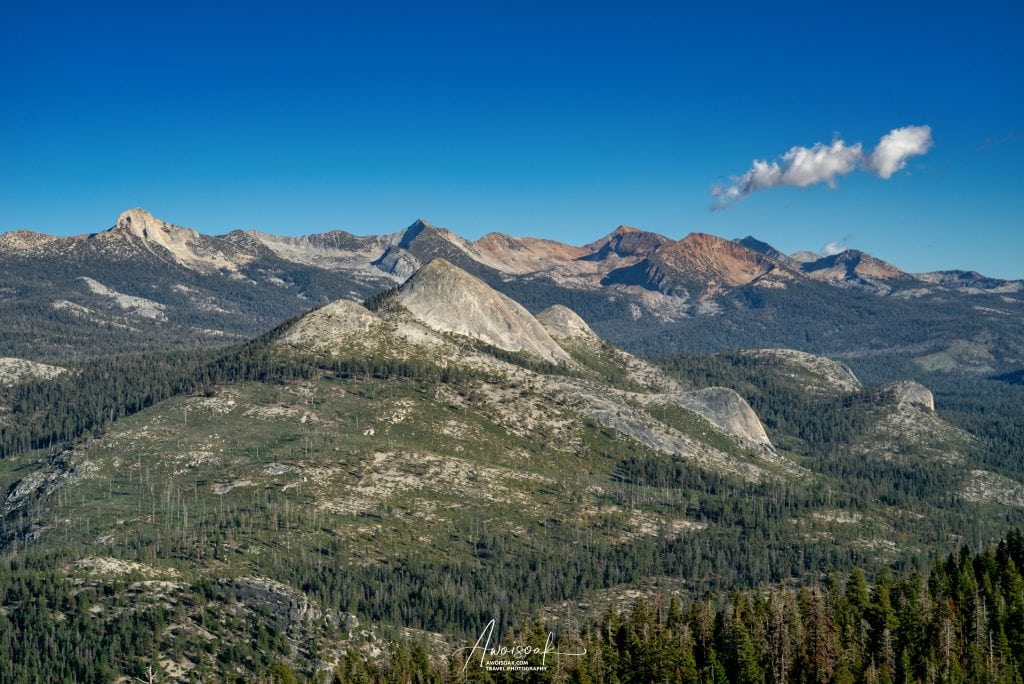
(135, 220)
(418, 228)
(625, 241)
(185, 245)
(141, 223)
(136, 214)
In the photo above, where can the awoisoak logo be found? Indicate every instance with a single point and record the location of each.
(526, 656)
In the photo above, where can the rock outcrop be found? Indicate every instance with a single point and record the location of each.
(13, 371)
(448, 299)
(138, 306)
(285, 605)
(142, 224)
(817, 373)
(397, 262)
(914, 393)
(561, 322)
(331, 327)
(728, 411)
(183, 245)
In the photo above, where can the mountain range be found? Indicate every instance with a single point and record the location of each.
(436, 456)
(146, 283)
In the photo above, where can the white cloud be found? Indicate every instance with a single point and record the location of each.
(820, 164)
(832, 247)
(800, 167)
(896, 147)
(805, 166)
(761, 175)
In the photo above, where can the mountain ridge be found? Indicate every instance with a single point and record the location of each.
(624, 242)
(632, 286)
(440, 436)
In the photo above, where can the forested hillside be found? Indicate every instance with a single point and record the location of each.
(962, 621)
(357, 491)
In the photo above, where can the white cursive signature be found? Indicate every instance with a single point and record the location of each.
(483, 645)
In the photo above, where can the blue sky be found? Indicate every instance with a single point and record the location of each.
(544, 119)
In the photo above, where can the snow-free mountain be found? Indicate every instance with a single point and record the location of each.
(146, 283)
(422, 433)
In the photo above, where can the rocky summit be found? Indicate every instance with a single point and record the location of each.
(448, 299)
(561, 322)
